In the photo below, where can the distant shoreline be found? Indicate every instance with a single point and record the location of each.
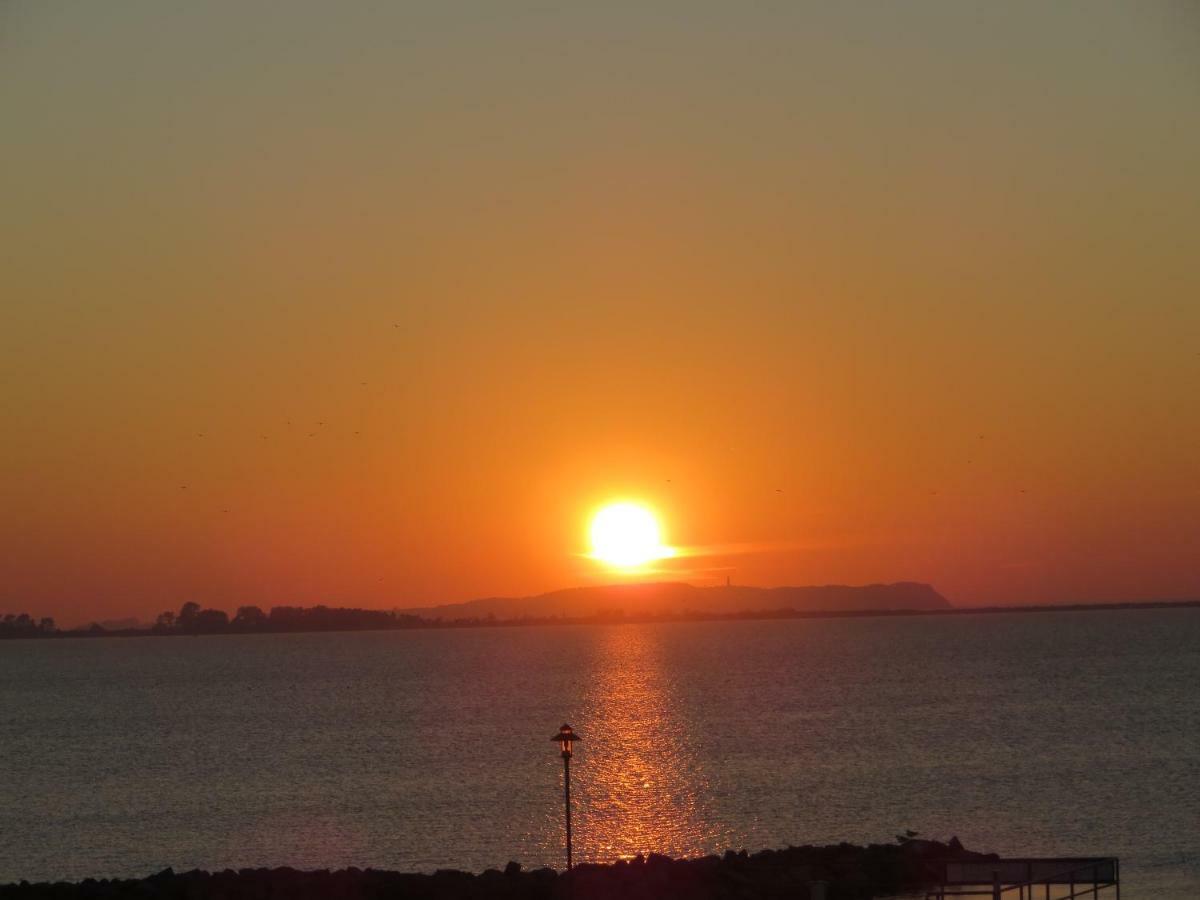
(412, 623)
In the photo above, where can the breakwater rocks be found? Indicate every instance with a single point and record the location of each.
(849, 872)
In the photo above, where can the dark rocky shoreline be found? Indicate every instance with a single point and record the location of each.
(850, 872)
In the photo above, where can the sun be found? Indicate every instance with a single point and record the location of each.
(627, 535)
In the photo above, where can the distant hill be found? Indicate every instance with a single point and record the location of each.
(674, 598)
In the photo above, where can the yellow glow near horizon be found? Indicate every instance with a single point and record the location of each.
(627, 535)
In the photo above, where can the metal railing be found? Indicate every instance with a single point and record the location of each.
(1029, 879)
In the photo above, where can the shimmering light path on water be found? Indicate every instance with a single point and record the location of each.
(1057, 733)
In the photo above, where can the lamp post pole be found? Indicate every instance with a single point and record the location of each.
(567, 802)
(565, 739)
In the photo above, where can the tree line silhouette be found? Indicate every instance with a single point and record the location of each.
(192, 619)
(24, 625)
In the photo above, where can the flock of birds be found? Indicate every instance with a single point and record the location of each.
(265, 437)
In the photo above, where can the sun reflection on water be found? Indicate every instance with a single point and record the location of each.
(641, 788)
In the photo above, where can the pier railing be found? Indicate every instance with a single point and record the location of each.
(1030, 879)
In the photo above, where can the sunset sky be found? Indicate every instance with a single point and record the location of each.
(374, 303)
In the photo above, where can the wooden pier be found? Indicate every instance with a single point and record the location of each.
(1029, 878)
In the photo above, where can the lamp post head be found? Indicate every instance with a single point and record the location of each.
(565, 738)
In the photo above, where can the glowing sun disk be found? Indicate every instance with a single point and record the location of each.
(627, 535)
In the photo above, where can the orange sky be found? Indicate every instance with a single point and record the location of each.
(373, 307)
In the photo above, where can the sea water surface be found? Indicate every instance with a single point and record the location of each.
(1073, 733)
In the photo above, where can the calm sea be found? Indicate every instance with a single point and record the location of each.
(1059, 733)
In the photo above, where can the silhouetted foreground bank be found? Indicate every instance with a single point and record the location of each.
(850, 873)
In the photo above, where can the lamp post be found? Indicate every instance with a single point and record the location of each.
(565, 738)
